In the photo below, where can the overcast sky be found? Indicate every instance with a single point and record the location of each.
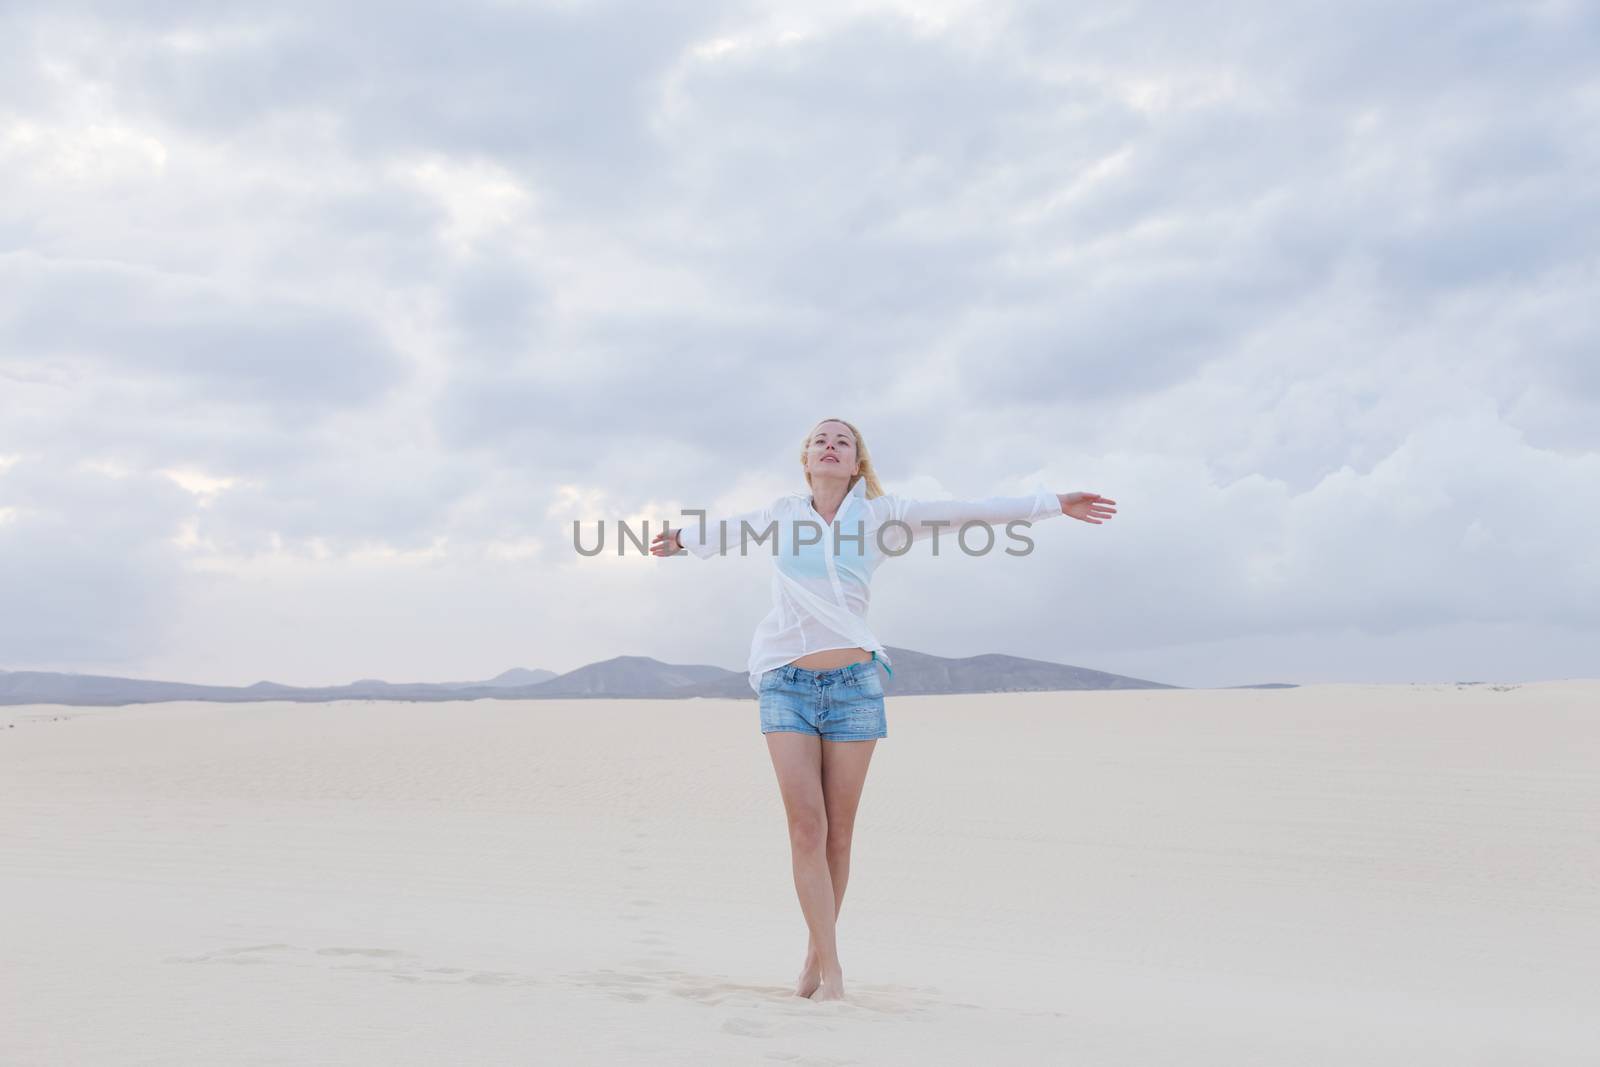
(319, 324)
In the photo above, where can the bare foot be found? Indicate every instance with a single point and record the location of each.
(831, 987)
(810, 975)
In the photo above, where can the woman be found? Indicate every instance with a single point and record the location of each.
(813, 660)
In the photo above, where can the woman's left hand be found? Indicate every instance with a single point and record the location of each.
(1089, 507)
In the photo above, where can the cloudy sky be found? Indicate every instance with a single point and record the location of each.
(320, 324)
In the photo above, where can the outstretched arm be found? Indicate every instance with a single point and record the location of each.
(666, 543)
(707, 541)
(924, 517)
(948, 516)
(1090, 507)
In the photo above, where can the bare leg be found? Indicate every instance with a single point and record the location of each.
(797, 759)
(844, 772)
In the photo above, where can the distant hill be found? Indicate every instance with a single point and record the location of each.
(49, 687)
(917, 672)
(629, 677)
(632, 676)
(515, 676)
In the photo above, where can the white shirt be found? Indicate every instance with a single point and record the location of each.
(821, 590)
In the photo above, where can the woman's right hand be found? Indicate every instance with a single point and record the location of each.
(666, 543)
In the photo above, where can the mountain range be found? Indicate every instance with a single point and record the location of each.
(630, 677)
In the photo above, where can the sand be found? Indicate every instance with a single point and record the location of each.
(1335, 874)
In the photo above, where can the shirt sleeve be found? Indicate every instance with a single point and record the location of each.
(925, 516)
(707, 541)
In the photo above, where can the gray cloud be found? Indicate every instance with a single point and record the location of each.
(194, 339)
(1308, 290)
(86, 572)
(564, 89)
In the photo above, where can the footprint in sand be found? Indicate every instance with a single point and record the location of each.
(395, 964)
(741, 1008)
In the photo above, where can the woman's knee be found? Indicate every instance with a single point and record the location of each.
(808, 830)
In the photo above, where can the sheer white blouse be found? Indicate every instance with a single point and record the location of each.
(822, 572)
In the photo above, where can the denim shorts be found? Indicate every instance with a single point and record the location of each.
(844, 704)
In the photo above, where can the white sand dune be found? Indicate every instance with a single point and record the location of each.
(1337, 874)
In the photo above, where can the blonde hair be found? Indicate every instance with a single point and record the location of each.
(865, 458)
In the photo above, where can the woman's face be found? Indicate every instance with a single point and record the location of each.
(832, 452)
